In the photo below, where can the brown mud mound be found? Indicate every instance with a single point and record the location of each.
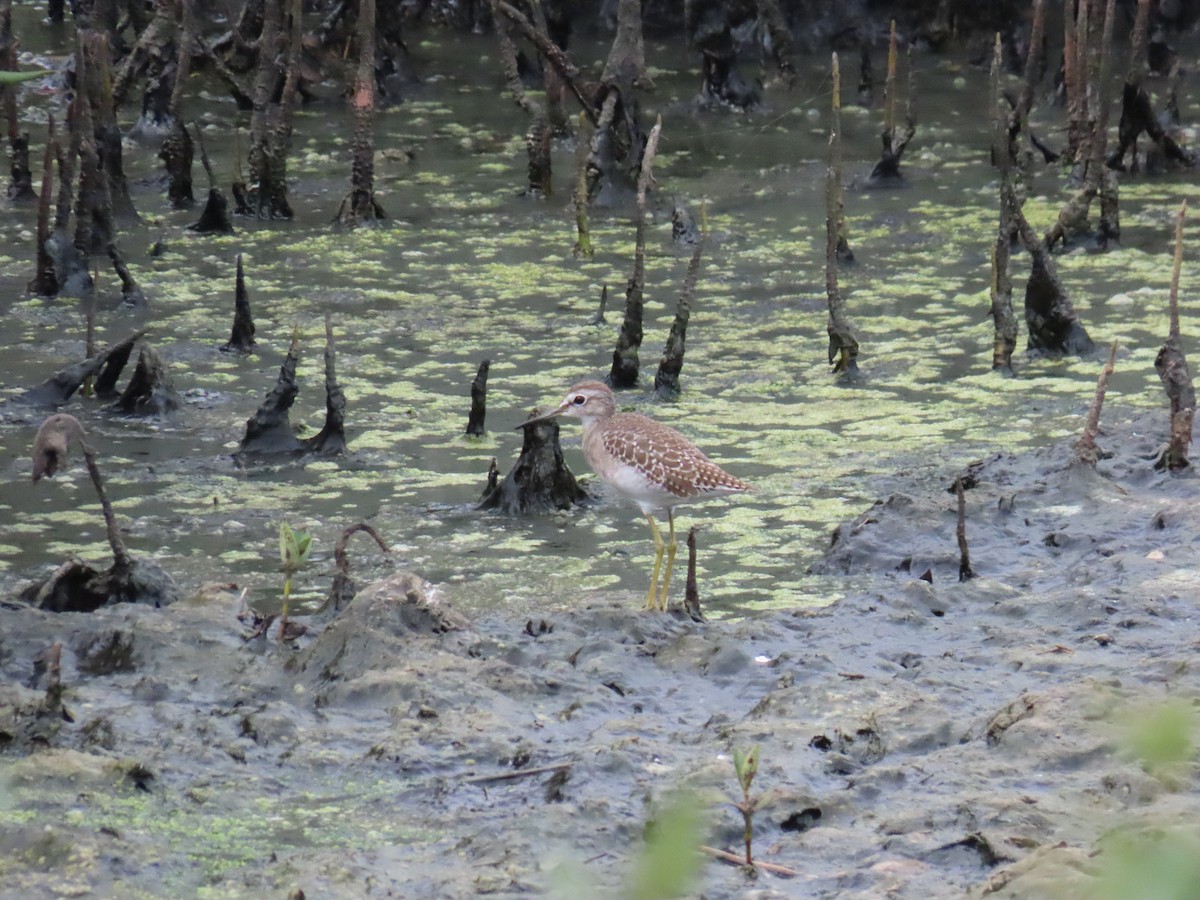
(923, 740)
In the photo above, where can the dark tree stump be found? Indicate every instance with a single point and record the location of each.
(214, 219)
(540, 481)
(1054, 327)
(77, 587)
(722, 84)
(60, 387)
(1138, 116)
(149, 392)
(115, 359)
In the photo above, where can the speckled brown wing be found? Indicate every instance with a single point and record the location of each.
(666, 458)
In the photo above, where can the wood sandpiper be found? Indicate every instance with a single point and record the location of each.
(650, 463)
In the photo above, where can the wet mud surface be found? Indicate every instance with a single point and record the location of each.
(922, 738)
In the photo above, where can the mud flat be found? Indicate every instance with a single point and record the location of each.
(924, 738)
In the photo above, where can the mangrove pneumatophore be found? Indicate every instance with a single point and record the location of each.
(241, 338)
(666, 379)
(843, 340)
(478, 412)
(887, 171)
(214, 218)
(1172, 367)
(625, 363)
(269, 430)
(105, 367)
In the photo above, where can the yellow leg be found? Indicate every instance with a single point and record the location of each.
(659, 548)
(662, 595)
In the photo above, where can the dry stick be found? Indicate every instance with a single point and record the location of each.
(844, 253)
(583, 241)
(537, 137)
(843, 345)
(1085, 448)
(624, 371)
(1073, 216)
(45, 281)
(1004, 320)
(889, 90)
(735, 859)
(965, 572)
(1173, 297)
(1171, 365)
(519, 773)
(691, 596)
(910, 102)
(599, 317)
(478, 400)
(596, 146)
(49, 452)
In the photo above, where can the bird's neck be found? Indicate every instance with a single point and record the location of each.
(593, 435)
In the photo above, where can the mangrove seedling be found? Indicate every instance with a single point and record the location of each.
(745, 766)
(294, 548)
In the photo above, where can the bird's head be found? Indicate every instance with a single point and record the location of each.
(586, 400)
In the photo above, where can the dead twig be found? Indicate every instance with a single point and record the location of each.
(518, 773)
(735, 859)
(1085, 449)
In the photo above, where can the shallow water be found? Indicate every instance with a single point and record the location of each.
(465, 269)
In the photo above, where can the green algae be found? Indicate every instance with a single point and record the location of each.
(467, 269)
(195, 838)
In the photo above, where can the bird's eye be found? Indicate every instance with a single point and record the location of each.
(579, 400)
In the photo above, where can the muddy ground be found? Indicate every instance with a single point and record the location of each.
(924, 738)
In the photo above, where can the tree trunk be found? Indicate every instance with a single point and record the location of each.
(361, 207)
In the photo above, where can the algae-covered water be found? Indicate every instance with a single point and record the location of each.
(467, 268)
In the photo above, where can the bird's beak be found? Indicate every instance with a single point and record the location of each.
(543, 418)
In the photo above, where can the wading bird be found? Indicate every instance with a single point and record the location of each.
(650, 463)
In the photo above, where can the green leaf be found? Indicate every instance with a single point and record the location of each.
(1162, 736)
(745, 765)
(7, 77)
(303, 547)
(669, 862)
(287, 544)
